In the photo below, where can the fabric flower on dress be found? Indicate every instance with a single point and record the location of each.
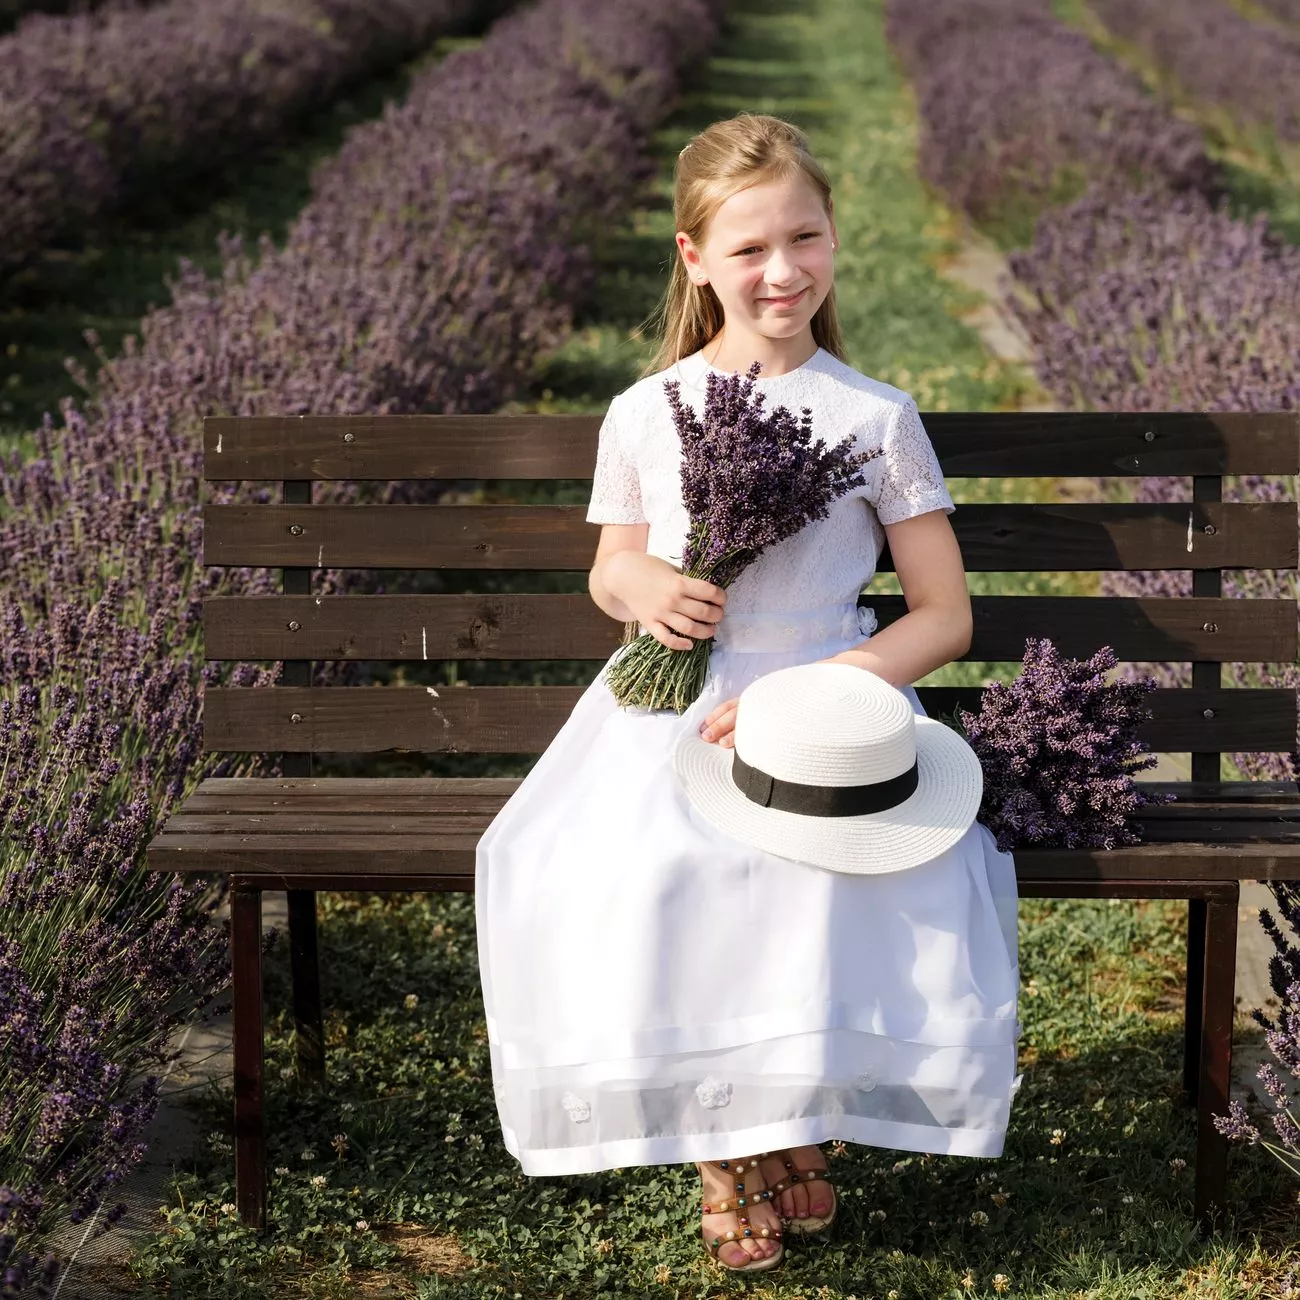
(867, 621)
(713, 1093)
(579, 1108)
(865, 1081)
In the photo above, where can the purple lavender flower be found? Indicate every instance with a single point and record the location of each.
(1059, 749)
(750, 479)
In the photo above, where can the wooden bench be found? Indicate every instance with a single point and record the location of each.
(305, 833)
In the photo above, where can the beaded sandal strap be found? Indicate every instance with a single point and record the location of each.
(737, 1168)
(800, 1176)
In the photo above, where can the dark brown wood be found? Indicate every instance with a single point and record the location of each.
(1220, 960)
(1162, 629)
(524, 719)
(436, 626)
(1258, 721)
(304, 962)
(452, 854)
(1193, 997)
(303, 834)
(993, 538)
(246, 978)
(394, 792)
(970, 444)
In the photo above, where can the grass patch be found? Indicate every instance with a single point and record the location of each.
(1089, 1198)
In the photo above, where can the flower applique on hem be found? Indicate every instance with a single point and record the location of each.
(579, 1108)
(712, 1093)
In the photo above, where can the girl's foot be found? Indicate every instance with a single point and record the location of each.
(740, 1227)
(802, 1197)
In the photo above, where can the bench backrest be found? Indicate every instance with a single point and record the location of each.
(505, 542)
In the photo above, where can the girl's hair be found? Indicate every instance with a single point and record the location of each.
(725, 158)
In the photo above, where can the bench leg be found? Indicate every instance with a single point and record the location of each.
(305, 965)
(1194, 997)
(250, 1131)
(1220, 966)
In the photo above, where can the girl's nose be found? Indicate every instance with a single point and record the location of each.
(780, 269)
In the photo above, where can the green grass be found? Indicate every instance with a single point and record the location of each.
(1091, 1198)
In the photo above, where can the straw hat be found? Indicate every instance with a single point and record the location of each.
(832, 766)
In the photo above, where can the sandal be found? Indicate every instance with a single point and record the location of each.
(813, 1223)
(736, 1170)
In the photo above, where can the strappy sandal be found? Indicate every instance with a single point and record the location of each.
(736, 1169)
(813, 1223)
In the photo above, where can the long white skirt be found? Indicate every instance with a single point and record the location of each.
(658, 993)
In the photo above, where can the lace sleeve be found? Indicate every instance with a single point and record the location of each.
(616, 485)
(908, 479)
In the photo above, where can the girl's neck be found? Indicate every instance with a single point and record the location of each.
(776, 356)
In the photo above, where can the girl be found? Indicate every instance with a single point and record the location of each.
(655, 991)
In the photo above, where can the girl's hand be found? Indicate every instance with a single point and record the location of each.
(671, 607)
(719, 727)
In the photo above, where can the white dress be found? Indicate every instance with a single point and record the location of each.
(657, 992)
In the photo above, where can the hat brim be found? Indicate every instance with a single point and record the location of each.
(939, 812)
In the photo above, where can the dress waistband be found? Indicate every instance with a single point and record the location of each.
(793, 629)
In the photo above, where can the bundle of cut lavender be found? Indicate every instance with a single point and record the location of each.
(1059, 749)
(750, 479)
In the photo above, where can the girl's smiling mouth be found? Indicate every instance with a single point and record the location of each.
(786, 302)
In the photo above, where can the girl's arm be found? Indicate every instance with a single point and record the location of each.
(937, 627)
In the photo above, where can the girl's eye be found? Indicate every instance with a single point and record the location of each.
(754, 248)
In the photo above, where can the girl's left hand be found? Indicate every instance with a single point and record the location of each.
(719, 726)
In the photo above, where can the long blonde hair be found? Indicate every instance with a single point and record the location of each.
(725, 158)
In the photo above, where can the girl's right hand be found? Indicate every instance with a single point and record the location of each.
(671, 607)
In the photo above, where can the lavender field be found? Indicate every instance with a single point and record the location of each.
(94, 106)
(469, 248)
(98, 532)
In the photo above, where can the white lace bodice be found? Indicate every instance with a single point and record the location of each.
(638, 479)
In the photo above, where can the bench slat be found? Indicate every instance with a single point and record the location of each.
(524, 719)
(570, 626)
(970, 444)
(454, 855)
(401, 794)
(993, 538)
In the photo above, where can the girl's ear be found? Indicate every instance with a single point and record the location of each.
(690, 256)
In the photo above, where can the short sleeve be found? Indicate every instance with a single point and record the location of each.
(908, 480)
(616, 485)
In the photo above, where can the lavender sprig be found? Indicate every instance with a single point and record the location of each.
(750, 479)
(1281, 1035)
(1059, 749)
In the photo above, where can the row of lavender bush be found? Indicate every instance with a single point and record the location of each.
(1019, 112)
(1143, 293)
(94, 105)
(1249, 69)
(442, 252)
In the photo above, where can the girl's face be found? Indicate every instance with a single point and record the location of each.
(768, 253)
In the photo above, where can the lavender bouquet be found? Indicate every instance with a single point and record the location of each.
(750, 479)
(1059, 748)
